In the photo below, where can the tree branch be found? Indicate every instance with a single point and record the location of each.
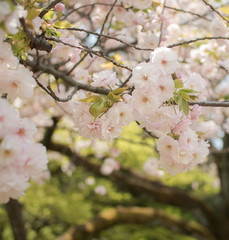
(36, 42)
(195, 40)
(58, 74)
(139, 185)
(50, 6)
(134, 215)
(13, 208)
(217, 12)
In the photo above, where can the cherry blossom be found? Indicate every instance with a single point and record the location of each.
(165, 60)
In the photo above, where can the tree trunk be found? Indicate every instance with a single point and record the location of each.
(13, 208)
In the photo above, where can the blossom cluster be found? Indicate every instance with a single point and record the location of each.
(154, 88)
(20, 158)
(16, 80)
(107, 126)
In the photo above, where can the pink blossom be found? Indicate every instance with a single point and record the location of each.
(161, 120)
(20, 158)
(65, 52)
(195, 112)
(109, 166)
(182, 126)
(218, 27)
(12, 184)
(121, 113)
(140, 4)
(5, 9)
(185, 153)
(59, 7)
(197, 83)
(165, 60)
(104, 79)
(101, 190)
(145, 101)
(165, 88)
(18, 82)
(151, 167)
(9, 119)
(145, 75)
(110, 129)
(36, 160)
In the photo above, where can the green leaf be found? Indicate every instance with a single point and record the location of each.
(33, 13)
(91, 99)
(49, 15)
(175, 97)
(113, 98)
(178, 83)
(179, 102)
(185, 107)
(187, 90)
(62, 24)
(185, 96)
(224, 9)
(135, 10)
(200, 133)
(226, 97)
(97, 108)
(119, 90)
(193, 97)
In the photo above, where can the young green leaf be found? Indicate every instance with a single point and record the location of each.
(91, 99)
(62, 24)
(185, 107)
(119, 90)
(49, 15)
(187, 90)
(113, 98)
(97, 108)
(178, 83)
(33, 13)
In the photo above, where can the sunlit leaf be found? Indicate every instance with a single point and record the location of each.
(97, 108)
(62, 24)
(33, 13)
(49, 15)
(178, 83)
(224, 9)
(119, 90)
(113, 98)
(91, 99)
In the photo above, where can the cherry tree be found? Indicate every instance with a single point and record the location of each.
(101, 65)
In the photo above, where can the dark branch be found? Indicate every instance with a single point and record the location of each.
(37, 42)
(52, 4)
(13, 208)
(134, 215)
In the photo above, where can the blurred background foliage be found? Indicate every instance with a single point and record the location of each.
(69, 198)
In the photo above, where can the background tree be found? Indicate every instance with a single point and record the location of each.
(98, 66)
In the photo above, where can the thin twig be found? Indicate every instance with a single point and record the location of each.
(184, 11)
(195, 40)
(161, 27)
(91, 51)
(110, 37)
(68, 79)
(105, 21)
(214, 10)
(91, 5)
(50, 6)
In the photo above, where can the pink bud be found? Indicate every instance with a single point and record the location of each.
(195, 112)
(59, 7)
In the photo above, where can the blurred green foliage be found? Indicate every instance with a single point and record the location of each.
(68, 198)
